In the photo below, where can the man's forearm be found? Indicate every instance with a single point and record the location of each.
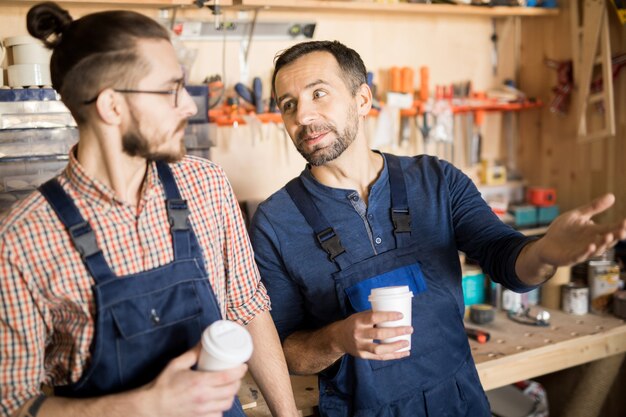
(124, 404)
(530, 267)
(268, 367)
(310, 352)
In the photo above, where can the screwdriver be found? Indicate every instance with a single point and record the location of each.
(478, 335)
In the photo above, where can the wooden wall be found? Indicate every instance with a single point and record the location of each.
(549, 152)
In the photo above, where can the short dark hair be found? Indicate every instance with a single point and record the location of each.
(94, 52)
(350, 62)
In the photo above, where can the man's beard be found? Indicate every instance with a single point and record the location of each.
(134, 143)
(320, 154)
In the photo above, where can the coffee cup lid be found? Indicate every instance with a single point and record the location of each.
(390, 291)
(228, 341)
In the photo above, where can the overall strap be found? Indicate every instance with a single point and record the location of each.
(400, 212)
(177, 213)
(80, 231)
(324, 233)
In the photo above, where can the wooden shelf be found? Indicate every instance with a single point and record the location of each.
(327, 6)
(116, 3)
(399, 8)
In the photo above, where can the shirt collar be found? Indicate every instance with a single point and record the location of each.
(314, 186)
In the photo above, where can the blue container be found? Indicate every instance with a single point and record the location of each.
(545, 215)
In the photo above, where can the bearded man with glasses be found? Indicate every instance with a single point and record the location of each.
(110, 272)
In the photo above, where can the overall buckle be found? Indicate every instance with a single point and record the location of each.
(84, 239)
(330, 242)
(177, 213)
(401, 220)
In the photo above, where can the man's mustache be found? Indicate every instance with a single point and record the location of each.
(311, 130)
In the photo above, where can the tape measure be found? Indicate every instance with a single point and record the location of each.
(482, 313)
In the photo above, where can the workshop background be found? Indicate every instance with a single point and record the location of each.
(493, 90)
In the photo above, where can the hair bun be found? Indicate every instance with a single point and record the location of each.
(46, 19)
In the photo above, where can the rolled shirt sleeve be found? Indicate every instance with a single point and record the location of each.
(246, 294)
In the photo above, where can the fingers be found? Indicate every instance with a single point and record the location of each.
(377, 317)
(186, 360)
(380, 333)
(384, 351)
(598, 205)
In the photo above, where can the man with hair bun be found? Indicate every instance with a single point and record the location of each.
(112, 270)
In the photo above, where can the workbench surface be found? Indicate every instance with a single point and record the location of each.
(515, 352)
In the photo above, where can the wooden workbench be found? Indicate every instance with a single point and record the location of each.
(515, 352)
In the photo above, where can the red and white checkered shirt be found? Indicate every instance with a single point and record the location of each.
(46, 304)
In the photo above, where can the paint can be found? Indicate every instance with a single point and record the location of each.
(575, 299)
(619, 304)
(603, 277)
(511, 301)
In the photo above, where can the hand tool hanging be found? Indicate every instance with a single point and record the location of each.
(424, 127)
(494, 52)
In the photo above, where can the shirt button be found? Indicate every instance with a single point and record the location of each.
(370, 216)
(355, 198)
(378, 241)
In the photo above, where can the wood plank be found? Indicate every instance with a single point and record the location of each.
(593, 17)
(129, 3)
(518, 351)
(371, 7)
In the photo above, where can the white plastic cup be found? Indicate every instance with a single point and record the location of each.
(393, 299)
(29, 75)
(28, 50)
(225, 345)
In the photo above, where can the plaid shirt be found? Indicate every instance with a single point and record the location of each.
(46, 304)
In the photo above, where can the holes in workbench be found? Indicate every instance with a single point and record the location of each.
(573, 334)
(554, 328)
(528, 334)
(599, 327)
(492, 355)
(520, 347)
(500, 341)
(580, 322)
(547, 341)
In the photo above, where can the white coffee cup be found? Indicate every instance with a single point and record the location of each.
(28, 50)
(393, 299)
(29, 75)
(225, 345)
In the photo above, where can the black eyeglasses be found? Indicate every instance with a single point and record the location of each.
(176, 92)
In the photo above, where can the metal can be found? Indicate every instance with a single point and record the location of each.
(603, 279)
(511, 301)
(575, 299)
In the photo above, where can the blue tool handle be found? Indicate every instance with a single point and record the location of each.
(257, 89)
(244, 92)
(370, 79)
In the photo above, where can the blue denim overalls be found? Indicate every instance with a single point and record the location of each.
(439, 377)
(143, 320)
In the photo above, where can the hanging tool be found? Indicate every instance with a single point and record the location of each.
(245, 93)
(374, 89)
(477, 139)
(254, 96)
(257, 89)
(425, 107)
(494, 52)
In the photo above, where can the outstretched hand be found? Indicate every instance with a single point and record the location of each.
(573, 237)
